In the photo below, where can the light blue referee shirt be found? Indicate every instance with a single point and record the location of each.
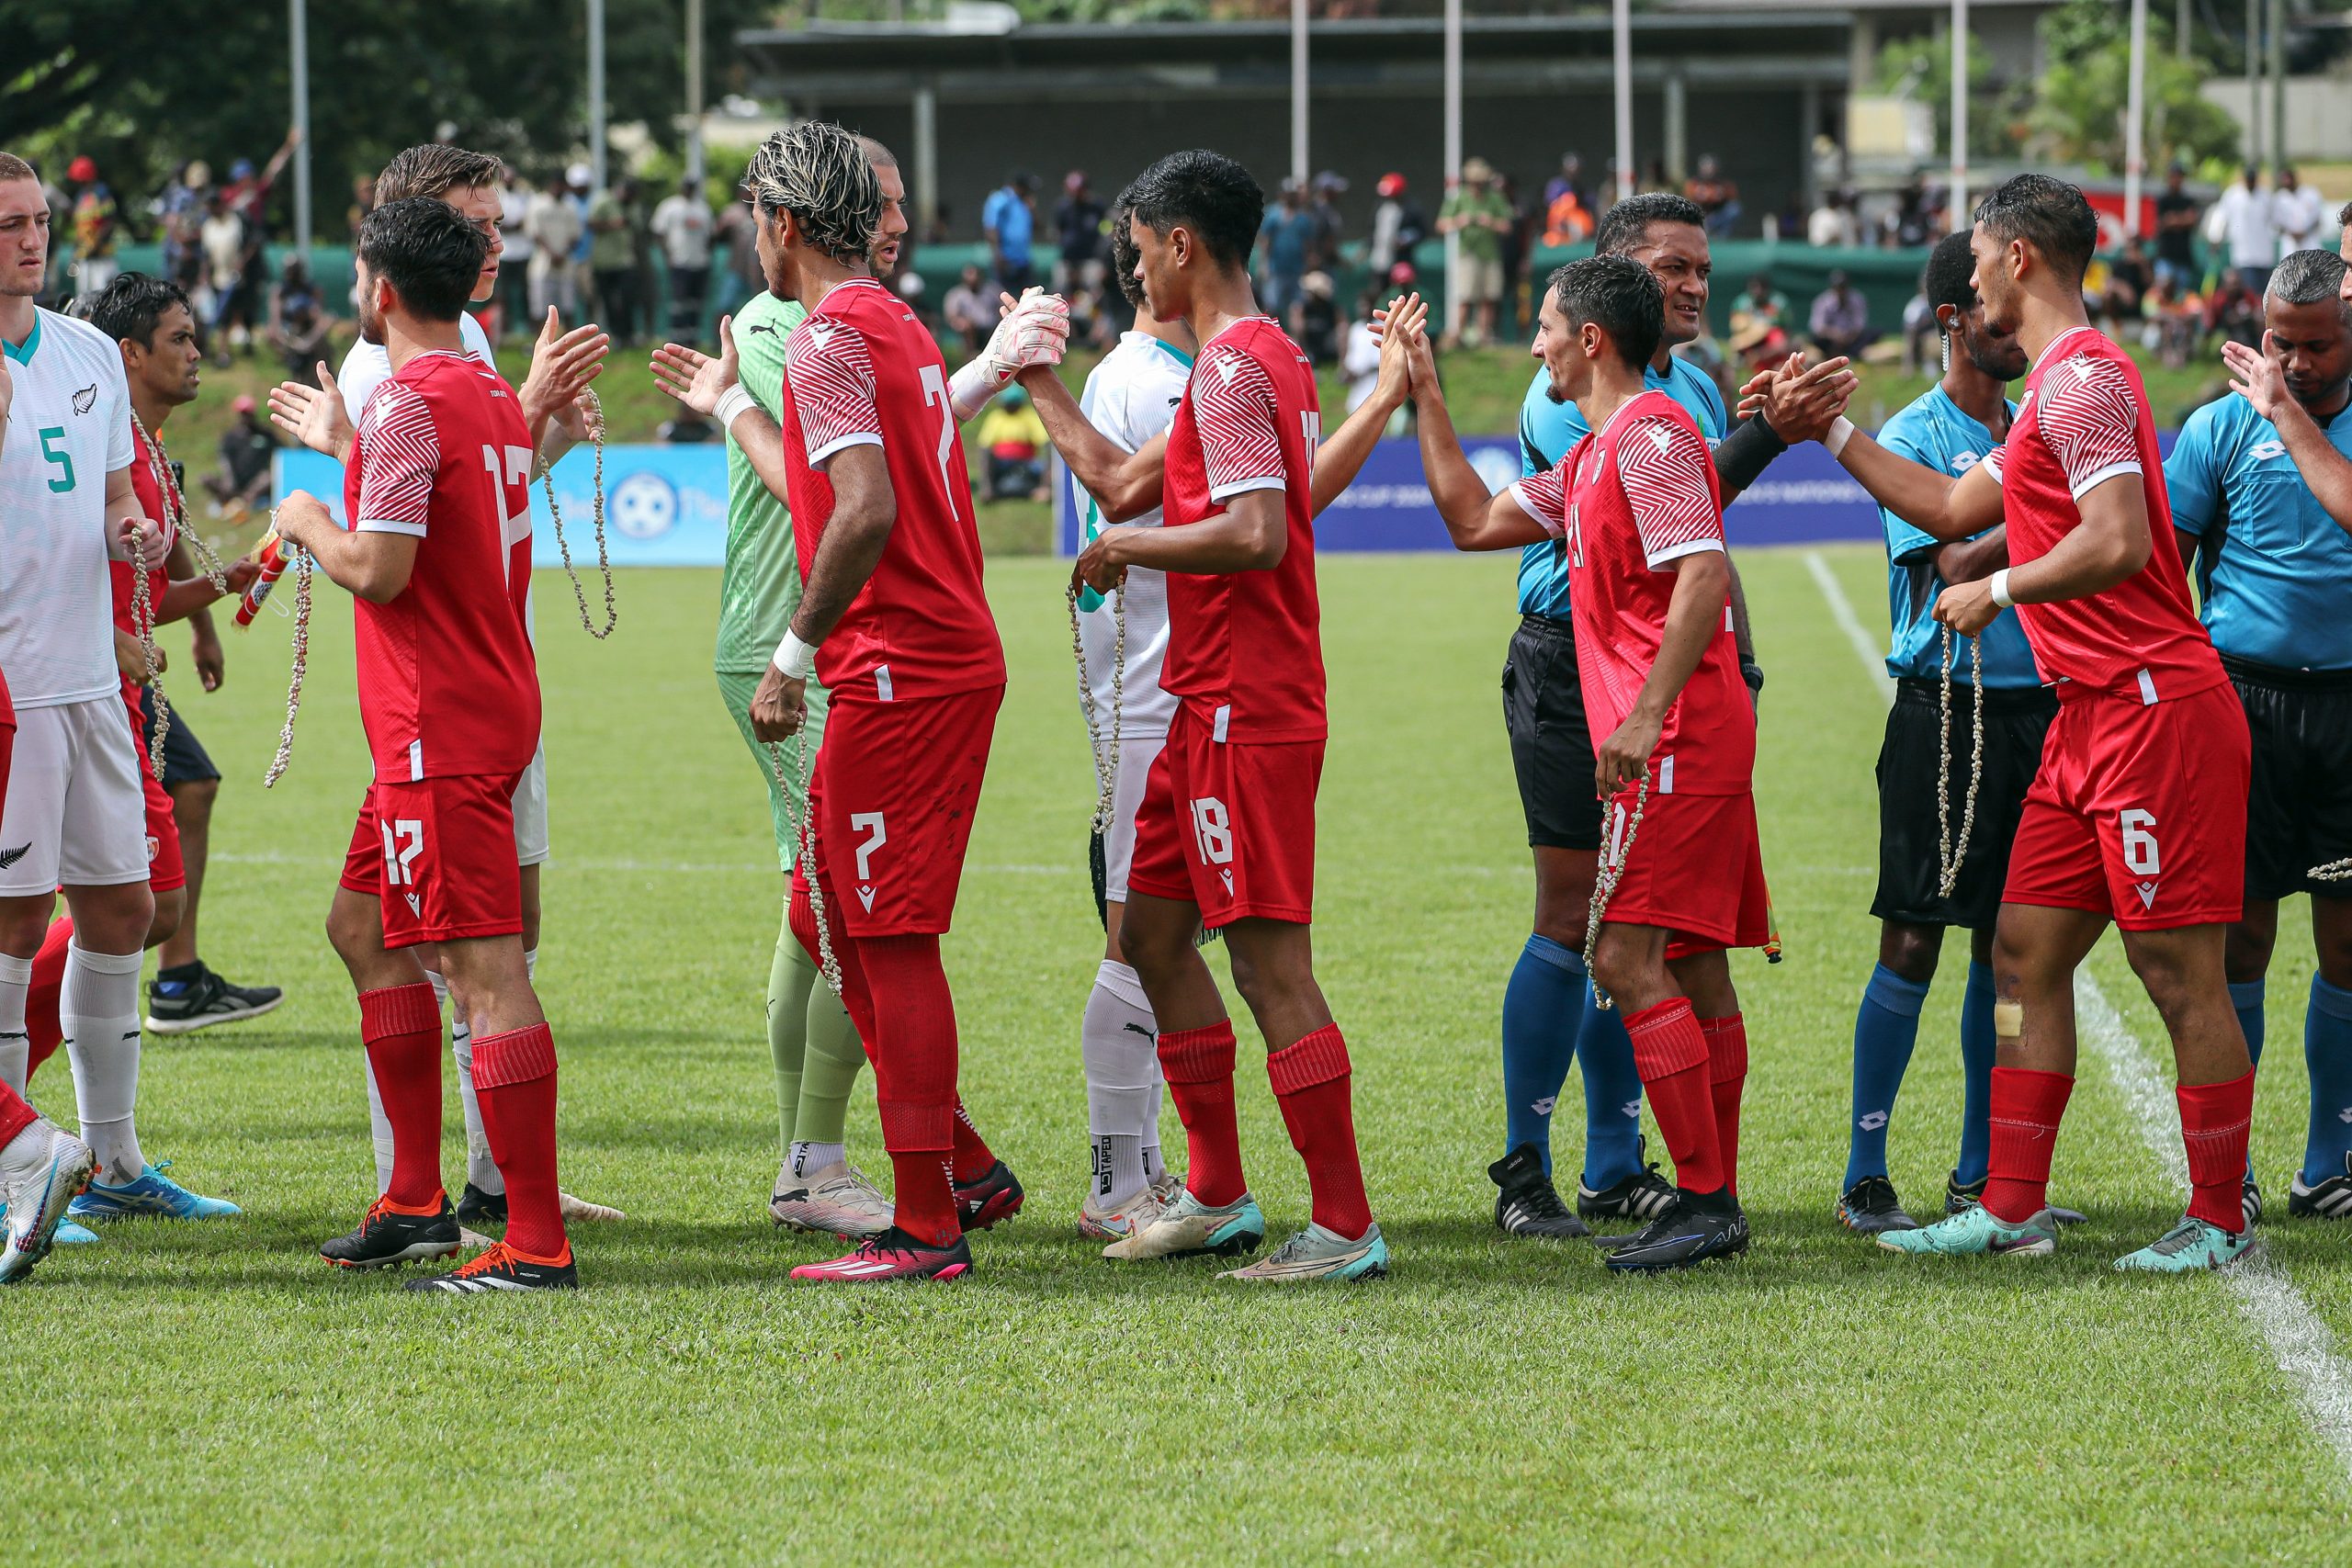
(2274, 570)
(1935, 431)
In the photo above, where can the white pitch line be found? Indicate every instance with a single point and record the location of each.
(2301, 1344)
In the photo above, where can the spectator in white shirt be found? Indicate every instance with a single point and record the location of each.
(1832, 223)
(554, 228)
(2243, 222)
(2296, 211)
(682, 225)
(515, 261)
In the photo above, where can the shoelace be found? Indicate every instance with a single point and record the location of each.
(1543, 1202)
(499, 1255)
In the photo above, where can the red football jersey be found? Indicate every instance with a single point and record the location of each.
(860, 371)
(152, 503)
(2084, 420)
(1633, 498)
(1245, 649)
(448, 684)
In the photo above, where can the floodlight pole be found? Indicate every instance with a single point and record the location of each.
(2253, 83)
(1959, 113)
(1453, 158)
(2278, 159)
(596, 95)
(694, 91)
(2135, 113)
(299, 41)
(1298, 92)
(1621, 30)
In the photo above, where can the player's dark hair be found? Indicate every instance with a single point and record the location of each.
(819, 173)
(1618, 295)
(127, 308)
(2050, 215)
(1207, 193)
(1946, 280)
(434, 169)
(2306, 277)
(429, 254)
(2343, 215)
(1628, 223)
(1124, 255)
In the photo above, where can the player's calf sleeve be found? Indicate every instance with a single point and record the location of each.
(1978, 1048)
(1198, 1067)
(1542, 1009)
(1670, 1053)
(379, 1128)
(531, 964)
(2025, 1107)
(1118, 1047)
(829, 1067)
(98, 1006)
(515, 1075)
(1727, 1081)
(481, 1170)
(400, 1026)
(1312, 1082)
(1612, 1098)
(15, 1115)
(2215, 1121)
(789, 973)
(1886, 1028)
(16, 977)
(44, 1032)
(2327, 1055)
(2245, 1000)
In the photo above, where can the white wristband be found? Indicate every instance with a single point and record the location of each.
(794, 658)
(732, 403)
(1999, 589)
(1840, 433)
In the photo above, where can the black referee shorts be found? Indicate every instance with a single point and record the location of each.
(185, 758)
(2299, 801)
(1909, 834)
(1551, 749)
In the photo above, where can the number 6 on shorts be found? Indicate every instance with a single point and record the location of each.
(2139, 855)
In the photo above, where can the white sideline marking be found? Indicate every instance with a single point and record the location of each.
(760, 868)
(2302, 1346)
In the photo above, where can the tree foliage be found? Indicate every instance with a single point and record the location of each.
(1920, 69)
(2080, 109)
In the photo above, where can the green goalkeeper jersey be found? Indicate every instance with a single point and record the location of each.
(761, 585)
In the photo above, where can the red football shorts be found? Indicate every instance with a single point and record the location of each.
(439, 855)
(896, 789)
(1228, 826)
(166, 870)
(2138, 812)
(1694, 869)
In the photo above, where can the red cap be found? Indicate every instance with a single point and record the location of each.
(82, 168)
(1402, 274)
(244, 404)
(1391, 184)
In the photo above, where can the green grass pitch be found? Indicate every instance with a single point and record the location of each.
(214, 1393)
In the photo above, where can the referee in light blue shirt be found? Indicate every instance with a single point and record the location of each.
(2275, 573)
(1546, 1020)
(1923, 759)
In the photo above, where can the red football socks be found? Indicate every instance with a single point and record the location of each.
(1727, 1078)
(400, 1026)
(1198, 1066)
(2025, 1107)
(515, 1079)
(914, 1079)
(1670, 1055)
(973, 1157)
(15, 1115)
(2215, 1119)
(44, 1030)
(1311, 1080)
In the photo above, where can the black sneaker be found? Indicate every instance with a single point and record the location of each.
(1695, 1230)
(503, 1268)
(993, 1198)
(2250, 1200)
(1643, 1196)
(1870, 1206)
(386, 1236)
(476, 1207)
(177, 1004)
(2331, 1200)
(1528, 1205)
(1957, 1198)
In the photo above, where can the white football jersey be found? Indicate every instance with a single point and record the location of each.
(1131, 396)
(69, 427)
(369, 364)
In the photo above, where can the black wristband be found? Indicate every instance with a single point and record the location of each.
(1753, 673)
(1742, 456)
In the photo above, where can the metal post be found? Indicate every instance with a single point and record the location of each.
(1678, 127)
(1960, 209)
(693, 92)
(2253, 83)
(1621, 30)
(596, 94)
(2278, 159)
(1453, 157)
(299, 41)
(2181, 28)
(2135, 111)
(926, 158)
(1298, 170)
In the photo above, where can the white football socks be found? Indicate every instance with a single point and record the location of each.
(97, 1009)
(1119, 1047)
(809, 1159)
(480, 1169)
(15, 1045)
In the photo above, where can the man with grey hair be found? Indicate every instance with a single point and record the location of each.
(2275, 570)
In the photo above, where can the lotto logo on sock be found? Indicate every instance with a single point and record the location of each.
(1632, 1110)
(2345, 1116)
(1872, 1121)
(1545, 1106)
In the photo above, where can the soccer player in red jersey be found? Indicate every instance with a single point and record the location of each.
(1637, 502)
(438, 560)
(2138, 814)
(895, 621)
(1225, 835)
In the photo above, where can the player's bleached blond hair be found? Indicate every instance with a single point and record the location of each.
(14, 168)
(819, 173)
